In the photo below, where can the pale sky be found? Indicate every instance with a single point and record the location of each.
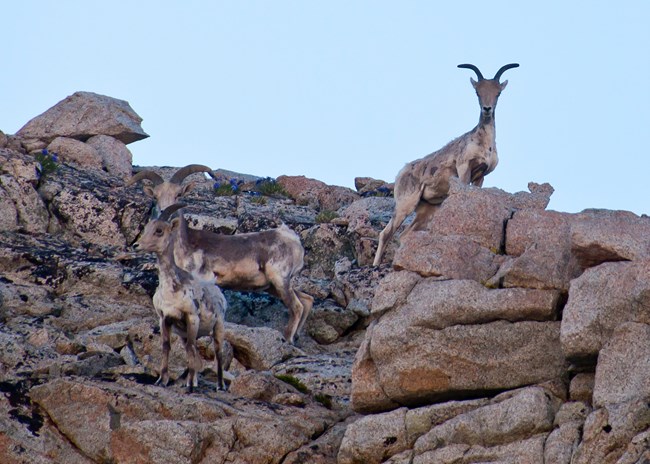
(337, 89)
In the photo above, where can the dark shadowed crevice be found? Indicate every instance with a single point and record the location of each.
(504, 234)
(423, 400)
(562, 300)
(23, 410)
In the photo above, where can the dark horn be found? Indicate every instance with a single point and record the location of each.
(504, 69)
(473, 68)
(180, 175)
(166, 214)
(149, 175)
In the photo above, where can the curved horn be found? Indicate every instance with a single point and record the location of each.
(504, 69)
(180, 175)
(473, 68)
(166, 214)
(150, 175)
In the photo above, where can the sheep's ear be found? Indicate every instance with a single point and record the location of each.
(474, 83)
(175, 222)
(187, 188)
(148, 190)
(503, 84)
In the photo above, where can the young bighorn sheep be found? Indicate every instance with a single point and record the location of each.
(190, 306)
(266, 260)
(423, 184)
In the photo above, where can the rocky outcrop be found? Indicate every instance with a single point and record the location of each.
(503, 332)
(86, 130)
(83, 115)
(317, 194)
(498, 294)
(467, 238)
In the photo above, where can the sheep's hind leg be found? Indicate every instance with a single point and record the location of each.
(423, 216)
(307, 303)
(403, 207)
(282, 290)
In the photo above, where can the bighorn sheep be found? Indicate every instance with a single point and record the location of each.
(266, 260)
(192, 307)
(167, 193)
(423, 184)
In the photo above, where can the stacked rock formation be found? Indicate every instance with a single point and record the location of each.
(508, 333)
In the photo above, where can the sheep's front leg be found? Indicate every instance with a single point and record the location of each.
(165, 335)
(218, 335)
(193, 360)
(465, 173)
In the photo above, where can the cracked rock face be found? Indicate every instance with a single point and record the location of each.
(464, 319)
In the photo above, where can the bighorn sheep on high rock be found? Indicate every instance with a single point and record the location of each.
(266, 260)
(191, 306)
(423, 184)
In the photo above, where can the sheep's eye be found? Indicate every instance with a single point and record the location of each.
(158, 231)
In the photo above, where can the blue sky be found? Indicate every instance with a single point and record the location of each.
(338, 89)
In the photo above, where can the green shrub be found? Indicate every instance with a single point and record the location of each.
(293, 381)
(326, 216)
(325, 400)
(382, 191)
(259, 200)
(224, 189)
(269, 187)
(48, 162)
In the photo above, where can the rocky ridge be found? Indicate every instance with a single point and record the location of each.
(504, 333)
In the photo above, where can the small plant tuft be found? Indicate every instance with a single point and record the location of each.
(490, 285)
(382, 191)
(326, 216)
(325, 400)
(48, 163)
(259, 200)
(294, 382)
(269, 187)
(224, 189)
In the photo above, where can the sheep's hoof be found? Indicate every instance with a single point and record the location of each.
(162, 382)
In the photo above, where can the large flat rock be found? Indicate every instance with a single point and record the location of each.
(414, 364)
(83, 115)
(127, 422)
(438, 304)
(600, 300)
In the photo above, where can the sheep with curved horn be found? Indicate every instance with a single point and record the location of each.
(184, 303)
(423, 184)
(167, 192)
(258, 261)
